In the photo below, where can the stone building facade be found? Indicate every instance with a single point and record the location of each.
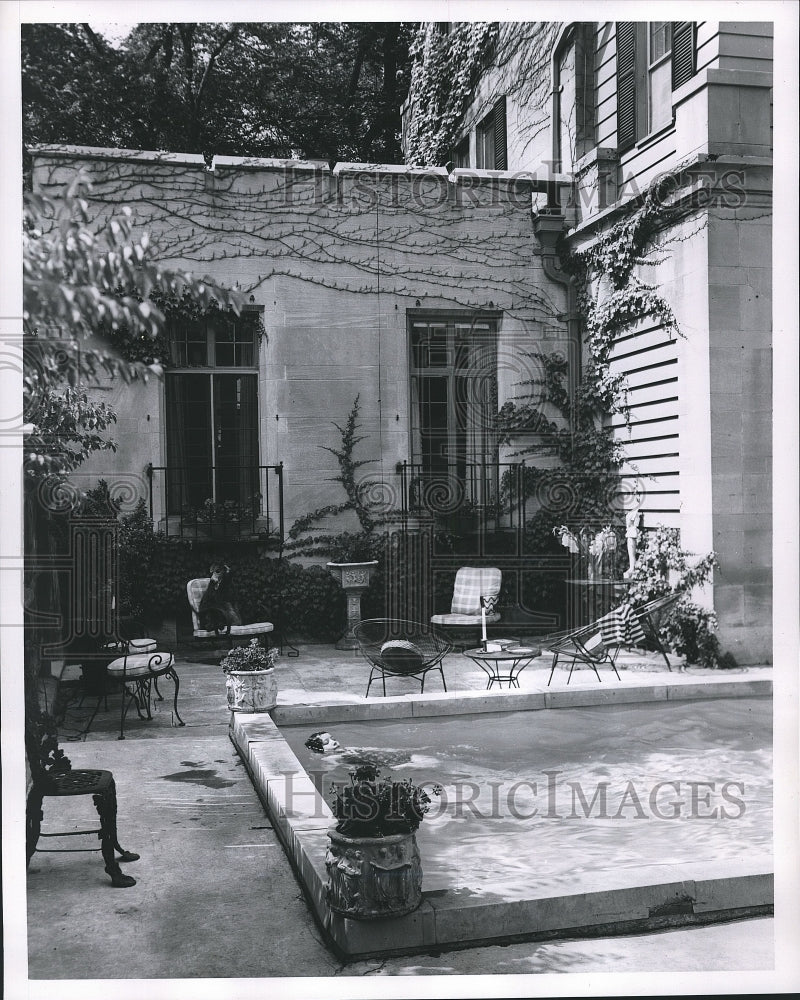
(427, 292)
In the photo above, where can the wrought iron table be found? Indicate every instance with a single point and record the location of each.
(514, 659)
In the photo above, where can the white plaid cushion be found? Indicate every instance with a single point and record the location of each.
(471, 584)
(195, 589)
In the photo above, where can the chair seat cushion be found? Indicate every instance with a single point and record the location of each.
(256, 628)
(140, 665)
(452, 619)
(401, 656)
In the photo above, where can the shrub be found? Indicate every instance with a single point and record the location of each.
(690, 630)
(249, 658)
(371, 806)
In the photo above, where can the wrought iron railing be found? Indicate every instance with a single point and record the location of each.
(487, 495)
(248, 501)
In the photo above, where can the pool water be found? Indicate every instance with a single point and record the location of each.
(544, 799)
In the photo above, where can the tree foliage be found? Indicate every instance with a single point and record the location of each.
(321, 90)
(81, 289)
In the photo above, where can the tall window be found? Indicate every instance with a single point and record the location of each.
(653, 59)
(453, 402)
(212, 411)
(490, 139)
(659, 74)
(574, 96)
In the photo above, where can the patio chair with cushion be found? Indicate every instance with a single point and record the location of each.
(195, 590)
(400, 649)
(472, 584)
(138, 668)
(133, 659)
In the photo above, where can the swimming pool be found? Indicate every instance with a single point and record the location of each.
(539, 801)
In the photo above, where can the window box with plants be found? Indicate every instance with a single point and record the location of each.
(373, 862)
(250, 678)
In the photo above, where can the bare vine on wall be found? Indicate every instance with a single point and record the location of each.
(350, 547)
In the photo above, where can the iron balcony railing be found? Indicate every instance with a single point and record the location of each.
(218, 502)
(491, 495)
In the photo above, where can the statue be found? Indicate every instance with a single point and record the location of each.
(632, 520)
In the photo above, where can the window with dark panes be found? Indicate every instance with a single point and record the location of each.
(461, 154)
(453, 402)
(491, 139)
(212, 411)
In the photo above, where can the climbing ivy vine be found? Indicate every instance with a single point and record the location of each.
(444, 70)
(612, 298)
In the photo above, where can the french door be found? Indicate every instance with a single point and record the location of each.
(212, 439)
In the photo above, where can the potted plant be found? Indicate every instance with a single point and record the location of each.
(373, 861)
(250, 682)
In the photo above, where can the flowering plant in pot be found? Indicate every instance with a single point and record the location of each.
(373, 861)
(250, 677)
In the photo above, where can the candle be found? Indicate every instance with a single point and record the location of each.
(483, 621)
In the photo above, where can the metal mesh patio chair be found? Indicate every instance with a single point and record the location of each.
(650, 616)
(583, 645)
(400, 649)
(600, 642)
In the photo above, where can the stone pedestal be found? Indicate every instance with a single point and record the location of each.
(354, 579)
(371, 877)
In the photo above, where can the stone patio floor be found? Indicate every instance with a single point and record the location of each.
(216, 897)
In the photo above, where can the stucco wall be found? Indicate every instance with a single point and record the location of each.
(337, 260)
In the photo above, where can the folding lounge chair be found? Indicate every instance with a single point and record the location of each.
(582, 645)
(649, 617)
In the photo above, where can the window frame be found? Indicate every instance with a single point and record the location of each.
(451, 371)
(494, 128)
(209, 371)
(633, 76)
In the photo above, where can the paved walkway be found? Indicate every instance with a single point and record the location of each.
(216, 897)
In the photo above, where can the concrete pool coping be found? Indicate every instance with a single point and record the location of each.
(450, 918)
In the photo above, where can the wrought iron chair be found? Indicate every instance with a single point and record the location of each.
(52, 775)
(473, 585)
(400, 649)
(137, 665)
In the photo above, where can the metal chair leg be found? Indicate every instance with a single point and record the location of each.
(176, 681)
(33, 822)
(106, 805)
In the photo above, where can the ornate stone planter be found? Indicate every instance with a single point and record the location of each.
(251, 690)
(354, 578)
(372, 877)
